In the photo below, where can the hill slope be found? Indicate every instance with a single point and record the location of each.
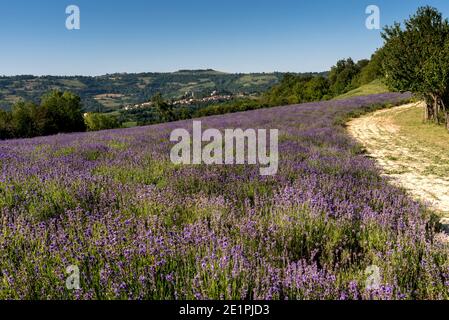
(139, 227)
(375, 87)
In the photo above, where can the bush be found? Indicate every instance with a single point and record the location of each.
(100, 121)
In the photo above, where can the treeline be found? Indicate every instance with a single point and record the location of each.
(345, 76)
(239, 105)
(58, 112)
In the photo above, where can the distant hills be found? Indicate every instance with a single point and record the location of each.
(113, 91)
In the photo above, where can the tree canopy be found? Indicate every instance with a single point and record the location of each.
(58, 112)
(416, 59)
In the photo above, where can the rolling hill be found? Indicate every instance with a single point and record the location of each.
(112, 91)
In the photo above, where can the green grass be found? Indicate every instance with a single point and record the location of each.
(374, 87)
(129, 124)
(428, 134)
(249, 80)
(434, 137)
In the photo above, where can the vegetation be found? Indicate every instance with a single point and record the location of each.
(58, 112)
(430, 135)
(111, 92)
(229, 107)
(163, 108)
(415, 59)
(374, 87)
(428, 142)
(296, 89)
(139, 227)
(101, 121)
(292, 89)
(345, 76)
(372, 71)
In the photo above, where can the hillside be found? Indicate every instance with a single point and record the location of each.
(374, 87)
(110, 92)
(139, 227)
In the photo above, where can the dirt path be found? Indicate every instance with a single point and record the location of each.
(404, 159)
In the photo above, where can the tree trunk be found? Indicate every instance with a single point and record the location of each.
(436, 109)
(426, 113)
(446, 114)
(447, 120)
(429, 111)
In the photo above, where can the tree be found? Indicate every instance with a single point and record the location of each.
(58, 112)
(373, 70)
(61, 112)
(297, 89)
(316, 89)
(24, 120)
(164, 109)
(99, 121)
(6, 127)
(435, 74)
(342, 75)
(414, 58)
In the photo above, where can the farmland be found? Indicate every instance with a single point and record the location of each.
(139, 227)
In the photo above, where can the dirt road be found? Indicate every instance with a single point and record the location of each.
(403, 158)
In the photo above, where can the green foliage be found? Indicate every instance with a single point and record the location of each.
(6, 126)
(61, 113)
(373, 70)
(58, 112)
(415, 59)
(26, 119)
(297, 89)
(346, 75)
(407, 49)
(100, 121)
(164, 109)
(343, 74)
(229, 107)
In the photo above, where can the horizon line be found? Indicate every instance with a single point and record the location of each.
(160, 72)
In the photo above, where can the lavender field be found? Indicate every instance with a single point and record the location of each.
(139, 227)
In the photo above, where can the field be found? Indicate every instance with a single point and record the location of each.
(139, 227)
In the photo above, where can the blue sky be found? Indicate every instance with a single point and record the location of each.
(168, 35)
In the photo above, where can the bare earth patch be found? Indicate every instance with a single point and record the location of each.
(416, 166)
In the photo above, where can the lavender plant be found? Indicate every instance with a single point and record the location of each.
(139, 227)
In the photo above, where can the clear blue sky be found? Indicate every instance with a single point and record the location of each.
(167, 35)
